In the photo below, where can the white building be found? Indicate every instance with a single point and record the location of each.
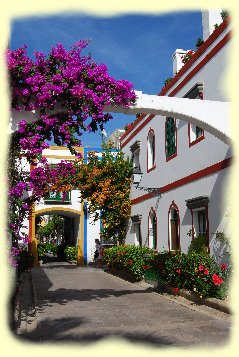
(115, 137)
(188, 165)
(70, 209)
(79, 227)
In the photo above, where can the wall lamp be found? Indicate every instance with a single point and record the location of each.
(136, 178)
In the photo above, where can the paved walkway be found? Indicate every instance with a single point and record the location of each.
(87, 304)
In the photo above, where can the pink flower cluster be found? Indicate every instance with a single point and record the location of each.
(65, 89)
(66, 82)
(45, 177)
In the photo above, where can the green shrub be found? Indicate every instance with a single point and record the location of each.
(199, 42)
(127, 258)
(224, 14)
(61, 251)
(71, 253)
(51, 248)
(54, 249)
(25, 261)
(155, 266)
(197, 272)
(41, 250)
(198, 245)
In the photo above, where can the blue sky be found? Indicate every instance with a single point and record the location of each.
(135, 47)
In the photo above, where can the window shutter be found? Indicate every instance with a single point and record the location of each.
(170, 137)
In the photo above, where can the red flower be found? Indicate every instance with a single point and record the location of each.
(175, 290)
(148, 267)
(206, 272)
(217, 280)
(144, 266)
(200, 268)
(178, 271)
(224, 266)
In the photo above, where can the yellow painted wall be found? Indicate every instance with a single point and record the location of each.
(33, 240)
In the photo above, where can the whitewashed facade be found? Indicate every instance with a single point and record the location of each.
(189, 166)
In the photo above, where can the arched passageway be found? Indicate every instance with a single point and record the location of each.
(69, 232)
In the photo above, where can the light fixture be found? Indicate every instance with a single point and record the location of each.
(136, 178)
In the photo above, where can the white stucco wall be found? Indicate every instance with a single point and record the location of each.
(93, 232)
(73, 204)
(212, 186)
(188, 161)
(209, 19)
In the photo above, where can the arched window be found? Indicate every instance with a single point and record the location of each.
(152, 221)
(173, 227)
(150, 150)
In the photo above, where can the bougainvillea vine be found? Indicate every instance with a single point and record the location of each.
(66, 93)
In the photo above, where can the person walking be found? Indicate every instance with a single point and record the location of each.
(98, 253)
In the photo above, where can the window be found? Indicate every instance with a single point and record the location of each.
(135, 158)
(202, 228)
(138, 237)
(152, 243)
(170, 138)
(199, 221)
(199, 212)
(137, 229)
(135, 149)
(199, 132)
(173, 227)
(151, 151)
(195, 134)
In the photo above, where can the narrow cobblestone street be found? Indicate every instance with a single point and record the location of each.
(87, 304)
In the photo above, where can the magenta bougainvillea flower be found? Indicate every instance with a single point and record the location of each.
(67, 92)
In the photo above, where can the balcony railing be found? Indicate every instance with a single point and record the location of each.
(57, 197)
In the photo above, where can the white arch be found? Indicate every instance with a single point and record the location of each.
(211, 116)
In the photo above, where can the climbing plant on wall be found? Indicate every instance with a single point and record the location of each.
(106, 184)
(67, 92)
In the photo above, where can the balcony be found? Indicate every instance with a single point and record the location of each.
(57, 198)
